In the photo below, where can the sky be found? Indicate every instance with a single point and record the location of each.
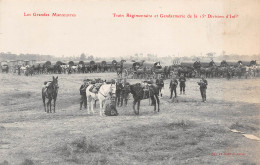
(95, 30)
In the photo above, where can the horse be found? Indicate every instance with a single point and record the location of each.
(105, 92)
(138, 93)
(50, 92)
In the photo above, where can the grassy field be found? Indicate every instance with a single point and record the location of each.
(187, 132)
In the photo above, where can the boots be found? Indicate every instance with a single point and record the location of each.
(80, 108)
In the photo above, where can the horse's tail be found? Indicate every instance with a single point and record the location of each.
(43, 92)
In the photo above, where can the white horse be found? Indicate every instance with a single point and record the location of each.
(105, 92)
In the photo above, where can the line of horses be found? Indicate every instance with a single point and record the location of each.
(138, 70)
(104, 91)
(196, 70)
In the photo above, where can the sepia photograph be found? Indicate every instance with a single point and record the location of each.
(129, 82)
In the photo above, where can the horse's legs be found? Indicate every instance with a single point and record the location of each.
(125, 98)
(43, 100)
(54, 104)
(158, 102)
(50, 105)
(100, 107)
(95, 103)
(134, 106)
(92, 105)
(121, 99)
(88, 105)
(138, 107)
(153, 102)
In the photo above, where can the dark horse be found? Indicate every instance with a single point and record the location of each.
(50, 92)
(139, 94)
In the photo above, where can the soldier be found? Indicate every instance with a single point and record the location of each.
(182, 81)
(173, 86)
(19, 70)
(119, 88)
(159, 82)
(203, 86)
(83, 99)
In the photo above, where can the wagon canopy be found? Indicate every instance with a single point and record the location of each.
(71, 63)
(41, 63)
(157, 65)
(114, 62)
(187, 64)
(47, 63)
(3, 63)
(92, 62)
(81, 63)
(98, 62)
(58, 63)
(103, 63)
(128, 64)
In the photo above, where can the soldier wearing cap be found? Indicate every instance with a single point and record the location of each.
(83, 98)
(182, 81)
(173, 86)
(119, 88)
(203, 86)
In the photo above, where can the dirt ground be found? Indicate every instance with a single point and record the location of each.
(184, 132)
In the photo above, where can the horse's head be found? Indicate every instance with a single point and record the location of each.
(127, 88)
(55, 84)
(112, 89)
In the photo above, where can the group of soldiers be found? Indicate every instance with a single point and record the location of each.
(182, 80)
(122, 92)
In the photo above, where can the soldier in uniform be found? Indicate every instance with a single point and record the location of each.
(83, 98)
(119, 88)
(19, 70)
(182, 81)
(203, 86)
(173, 86)
(159, 82)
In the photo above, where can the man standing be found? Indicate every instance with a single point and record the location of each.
(182, 81)
(173, 86)
(83, 99)
(203, 86)
(119, 90)
(159, 82)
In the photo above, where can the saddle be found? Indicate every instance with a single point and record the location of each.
(95, 88)
(47, 83)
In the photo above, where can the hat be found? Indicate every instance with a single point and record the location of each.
(93, 82)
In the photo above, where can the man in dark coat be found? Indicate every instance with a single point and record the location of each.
(159, 82)
(83, 98)
(182, 81)
(119, 90)
(173, 86)
(203, 86)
